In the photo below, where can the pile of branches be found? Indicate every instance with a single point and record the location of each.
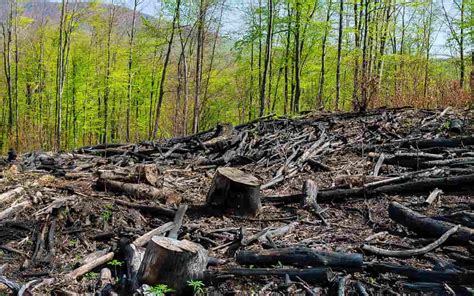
(305, 203)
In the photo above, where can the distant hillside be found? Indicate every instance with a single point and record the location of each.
(38, 10)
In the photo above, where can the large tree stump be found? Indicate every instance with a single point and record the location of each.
(172, 262)
(234, 190)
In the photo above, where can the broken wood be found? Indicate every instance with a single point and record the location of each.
(156, 210)
(82, 270)
(421, 275)
(8, 196)
(433, 196)
(412, 252)
(310, 275)
(300, 256)
(172, 262)
(143, 240)
(437, 288)
(133, 259)
(235, 190)
(310, 191)
(131, 189)
(178, 221)
(14, 209)
(426, 226)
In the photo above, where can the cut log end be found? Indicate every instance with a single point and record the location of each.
(172, 262)
(235, 190)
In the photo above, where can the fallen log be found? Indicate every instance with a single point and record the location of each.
(310, 275)
(420, 144)
(300, 256)
(438, 288)
(426, 226)
(14, 209)
(80, 271)
(235, 190)
(413, 252)
(440, 142)
(463, 217)
(447, 184)
(8, 196)
(156, 210)
(422, 275)
(172, 262)
(133, 190)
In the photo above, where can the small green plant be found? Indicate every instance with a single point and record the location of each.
(159, 290)
(106, 215)
(72, 242)
(91, 276)
(197, 287)
(115, 263)
(278, 265)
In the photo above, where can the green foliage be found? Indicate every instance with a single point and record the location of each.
(278, 265)
(115, 263)
(198, 286)
(159, 290)
(230, 79)
(106, 214)
(91, 276)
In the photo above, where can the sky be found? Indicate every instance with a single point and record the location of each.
(232, 21)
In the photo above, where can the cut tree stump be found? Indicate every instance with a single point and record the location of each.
(235, 190)
(172, 262)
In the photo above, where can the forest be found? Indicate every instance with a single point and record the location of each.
(78, 73)
(236, 147)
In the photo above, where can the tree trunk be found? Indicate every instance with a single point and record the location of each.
(339, 48)
(320, 96)
(161, 91)
(130, 67)
(236, 191)
(199, 60)
(173, 263)
(297, 57)
(266, 62)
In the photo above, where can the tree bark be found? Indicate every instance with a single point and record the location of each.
(426, 226)
(172, 262)
(161, 91)
(236, 191)
(267, 59)
(300, 257)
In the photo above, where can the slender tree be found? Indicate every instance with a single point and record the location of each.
(266, 63)
(161, 91)
(339, 49)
